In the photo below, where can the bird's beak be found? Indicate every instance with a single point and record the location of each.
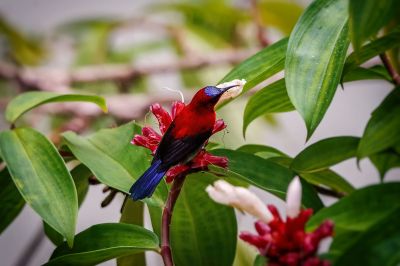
(223, 90)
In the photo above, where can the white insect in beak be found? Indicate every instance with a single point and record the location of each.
(239, 198)
(293, 198)
(233, 92)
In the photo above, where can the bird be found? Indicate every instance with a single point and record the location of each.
(184, 138)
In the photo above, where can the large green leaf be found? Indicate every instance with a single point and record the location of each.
(261, 150)
(113, 159)
(271, 99)
(264, 174)
(372, 49)
(330, 179)
(29, 100)
(132, 213)
(260, 66)
(367, 17)
(357, 213)
(325, 153)
(362, 208)
(103, 242)
(384, 161)
(379, 245)
(11, 202)
(325, 177)
(202, 232)
(80, 174)
(42, 178)
(315, 57)
(383, 128)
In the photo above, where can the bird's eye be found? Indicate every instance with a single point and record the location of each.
(212, 91)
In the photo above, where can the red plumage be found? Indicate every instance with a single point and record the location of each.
(183, 139)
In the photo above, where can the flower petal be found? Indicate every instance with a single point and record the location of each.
(176, 108)
(293, 198)
(163, 117)
(218, 126)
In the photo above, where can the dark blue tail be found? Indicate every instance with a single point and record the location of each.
(147, 183)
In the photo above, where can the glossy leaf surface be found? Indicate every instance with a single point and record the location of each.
(325, 153)
(200, 226)
(264, 174)
(29, 100)
(271, 99)
(103, 242)
(315, 57)
(42, 178)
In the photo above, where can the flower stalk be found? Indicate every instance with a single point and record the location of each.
(166, 252)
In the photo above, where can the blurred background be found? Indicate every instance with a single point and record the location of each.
(128, 52)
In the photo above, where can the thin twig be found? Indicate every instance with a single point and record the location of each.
(389, 67)
(328, 192)
(166, 218)
(60, 80)
(262, 39)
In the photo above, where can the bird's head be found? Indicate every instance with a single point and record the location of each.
(209, 96)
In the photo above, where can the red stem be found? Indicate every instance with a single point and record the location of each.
(388, 65)
(166, 218)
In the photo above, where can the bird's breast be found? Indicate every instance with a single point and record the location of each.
(192, 123)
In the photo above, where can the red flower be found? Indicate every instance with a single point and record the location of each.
(150, 139)
(285, 243)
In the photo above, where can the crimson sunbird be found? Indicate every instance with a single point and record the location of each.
(184, 138)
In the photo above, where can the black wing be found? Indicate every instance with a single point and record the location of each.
(173, 151)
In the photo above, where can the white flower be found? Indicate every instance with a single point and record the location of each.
(233, 92)
(293, 198)
(240, 198)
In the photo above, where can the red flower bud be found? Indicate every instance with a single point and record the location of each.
(218, 126)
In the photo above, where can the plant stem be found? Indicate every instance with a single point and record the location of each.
(388, 65)
(328, 192)
(166, 218)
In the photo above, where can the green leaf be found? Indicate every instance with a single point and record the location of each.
(202, 232)
(23, 49)
(262, 151)
(42, 178)
(11, 202)
(361, 209)
(357, 213)
(271, 99)
(325, 153)
(260, 66)
(29, 100)
(367, 17)
(113, 159)
(384, 161)
(330, 179)
(379, 245)
(372, 49)
(260, 261)
(282, 14)
(103, 242)
(315, 57)
(383, 128)
(80, 174)
(132, 213)
(360, 73)
(264, 174)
